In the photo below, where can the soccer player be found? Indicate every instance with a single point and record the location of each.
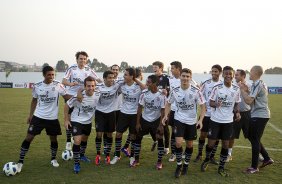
(260, 114)
(73, 79)
(224, 100)
(240, 77)
(81, 117)
(105, 113)
(206, 88)
(186, 98)
(174, 82)
(158, 68)
(153, 103)
(131, 92)
(44, 114)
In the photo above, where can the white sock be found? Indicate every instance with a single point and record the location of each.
(230, 151)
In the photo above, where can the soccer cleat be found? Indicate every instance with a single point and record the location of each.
(115, 160)
(222, 172)
(19, 167)
(125, 151)
(198, 158)
(131, 160)
(159, 166)
(184, 169)
(107, 160)
(154, 145)
(213, 161)
(98, 160)
(251, 170)
(177, 172)
(85, 159)
(76, 168)
(135, 163)
(54, 163)
(204, 165)
(68, 146)
(172, 158)
(166, 151)
(229, 158)
(266, 163)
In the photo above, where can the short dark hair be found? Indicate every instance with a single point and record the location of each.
(218, 67)
(89, 78)
(81, 53)
(159, 64)
(47, 69)
(114, 65)
(131, 72)
(228, 68)
(106, 73)
(138, 72)
(154, 79)
(177, 65)
(186, 70)
(242, 72)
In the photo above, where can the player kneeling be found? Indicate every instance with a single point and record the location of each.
(81, 118)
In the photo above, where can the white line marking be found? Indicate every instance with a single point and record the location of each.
(275, 128)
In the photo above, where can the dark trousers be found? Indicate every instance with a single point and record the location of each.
(257, 126)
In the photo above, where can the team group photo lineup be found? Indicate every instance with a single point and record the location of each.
(171, 108)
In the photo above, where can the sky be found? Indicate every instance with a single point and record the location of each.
(199, 34)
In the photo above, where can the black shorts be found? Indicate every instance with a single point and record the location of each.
(105, 122)
(206, 122)
(52, 127)
(188, 132)
(242, 124)
(148, 127)
(171, 118)
(126, 121)
(117, 116)
(81, 129)
(223, 131)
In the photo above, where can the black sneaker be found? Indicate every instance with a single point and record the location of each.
(213, 161)
(184, 169)
(222, 172)
(198, 158)
(204, 165)
(178, 171)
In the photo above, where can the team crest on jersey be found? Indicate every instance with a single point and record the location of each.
(232, 94)
(158, 99)
(74, 129)
(190, 96)
(53, 89)
(30, 128)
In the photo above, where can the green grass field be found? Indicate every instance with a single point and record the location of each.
(14, 109)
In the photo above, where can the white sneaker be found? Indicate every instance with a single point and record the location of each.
(114, 161)
(172, 158)
(68, 146)
(166, 151)
(229, 158)
(54, 163)
(131, 160)
(261, 159)
(19, 167)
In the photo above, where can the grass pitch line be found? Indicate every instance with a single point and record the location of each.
(275, 128)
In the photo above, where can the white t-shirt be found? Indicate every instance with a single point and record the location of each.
(108, 96)
(186, 103)
(152, 103)
(130, 98)
(206, 88)
(173, 83)
(47, 99)
(228, 97)
(75, 74)
(83, 112)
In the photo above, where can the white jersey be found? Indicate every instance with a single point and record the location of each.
(75, 74)
(152, 103)
(118, 102)
(228, 97)
(108, 96)
(206, 88)
(186, 103)
(83, 112)
(173, 83)
(130, 98)
(47, 99)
